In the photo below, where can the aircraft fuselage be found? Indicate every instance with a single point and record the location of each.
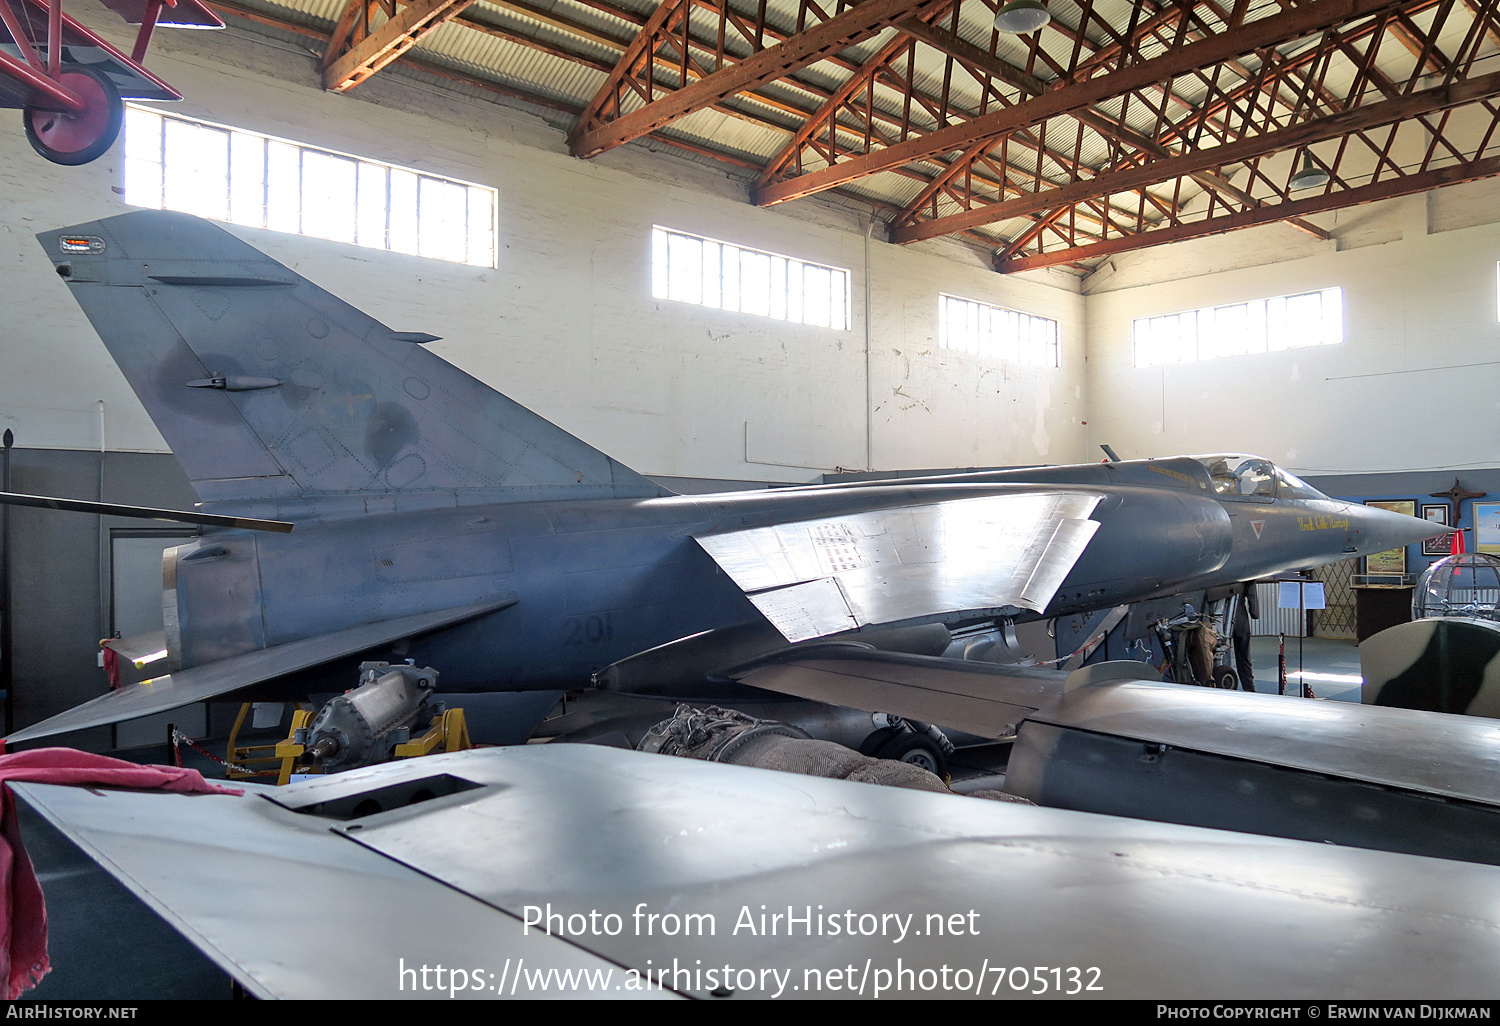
(599, 580)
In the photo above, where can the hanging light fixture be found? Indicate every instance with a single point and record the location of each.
(1020, 17)
(1311, 176)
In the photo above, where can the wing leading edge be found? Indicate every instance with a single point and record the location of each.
(813, 578)
(211, 680)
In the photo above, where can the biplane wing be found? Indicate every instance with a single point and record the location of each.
(182, 14)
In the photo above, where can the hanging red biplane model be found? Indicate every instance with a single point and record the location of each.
(70, 84)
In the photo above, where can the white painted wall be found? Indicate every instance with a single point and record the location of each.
(1414, 385)
(565, 324)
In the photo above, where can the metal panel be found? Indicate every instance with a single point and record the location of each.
(979, 698)
(135, 580)
(809, 610)
(1161, 911)
(1061, 767)
(908, 562)
(588, 828)
(1273, 619)
(1437, 753)
(287, 908)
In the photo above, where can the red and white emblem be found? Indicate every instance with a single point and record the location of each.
(1257, 526)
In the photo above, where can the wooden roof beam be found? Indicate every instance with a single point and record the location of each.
(1335, 125)
(1390, 188)
(388, 42)
(1271, 31)
(861, 21)
(1101, 123)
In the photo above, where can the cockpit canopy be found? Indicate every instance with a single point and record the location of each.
(1253, 479)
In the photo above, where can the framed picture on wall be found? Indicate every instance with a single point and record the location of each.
(1437, 513)
(1487, 527)
(1393, 561)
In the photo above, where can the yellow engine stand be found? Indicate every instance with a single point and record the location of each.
(449, 730)
(449, 733)
(289, 751)
(245, 755)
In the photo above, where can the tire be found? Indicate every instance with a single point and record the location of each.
(877, 739)
(918, 750)
(1226, 678)
(77, 138)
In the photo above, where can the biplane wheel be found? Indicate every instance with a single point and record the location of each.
(81, 136)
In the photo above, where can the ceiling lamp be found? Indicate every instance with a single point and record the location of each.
(1021, 16)
(1310, 176)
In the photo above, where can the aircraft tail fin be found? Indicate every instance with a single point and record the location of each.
(267, 387)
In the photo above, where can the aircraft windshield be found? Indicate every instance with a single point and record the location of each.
(1243, 477)
(1253, 479)
(1290, 486)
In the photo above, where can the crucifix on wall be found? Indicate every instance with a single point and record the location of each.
(1457, 495)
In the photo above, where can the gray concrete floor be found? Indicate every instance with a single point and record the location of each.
(1330, 667)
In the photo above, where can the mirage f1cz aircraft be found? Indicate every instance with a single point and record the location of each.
(434, 514)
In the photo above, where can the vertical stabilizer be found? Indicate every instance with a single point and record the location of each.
(268, 387)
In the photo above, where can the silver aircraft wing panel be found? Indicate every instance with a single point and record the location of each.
(182, 857)
(210, 680)
(1444, 754)
(979, 698)
(1144, 910)
(813, 578)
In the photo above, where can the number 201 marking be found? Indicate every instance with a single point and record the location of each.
(588, 630)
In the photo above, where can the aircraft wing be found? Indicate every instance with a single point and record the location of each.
(183, 14)
(985, 699)
(813, 578)
(1138, 909)
(212, 680)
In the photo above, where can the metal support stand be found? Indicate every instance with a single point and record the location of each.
(1301, 635)
(7, 441)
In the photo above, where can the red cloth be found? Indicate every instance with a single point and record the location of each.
(111, 666)
(23, 916)
(1458, 543)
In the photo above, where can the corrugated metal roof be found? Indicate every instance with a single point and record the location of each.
(318, 10)
(512, 64)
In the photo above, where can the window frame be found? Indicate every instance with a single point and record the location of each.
(790, 310)
(1260, 315)
(1055, 344)
(410, 232)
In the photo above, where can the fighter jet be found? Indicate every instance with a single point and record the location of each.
(438, 520)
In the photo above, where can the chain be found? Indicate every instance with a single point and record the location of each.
(179, 739)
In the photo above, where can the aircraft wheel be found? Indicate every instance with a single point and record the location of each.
(917, 749)
(877, 739)
(81, 136)
(1226, 678)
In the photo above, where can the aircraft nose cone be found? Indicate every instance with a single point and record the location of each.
(1376, 530)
